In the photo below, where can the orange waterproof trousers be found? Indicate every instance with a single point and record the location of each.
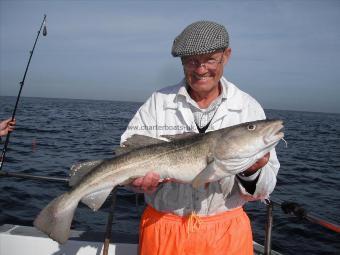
(168, 234)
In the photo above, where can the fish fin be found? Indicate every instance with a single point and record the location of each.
(78, 171)
(210, 174)
(141, 141)
(96, 199)
(180, 136)
(121, 150)
(56, 218)
(210, 158)
(227, 184)
(136, 141)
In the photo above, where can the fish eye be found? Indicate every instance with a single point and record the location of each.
(251, 127)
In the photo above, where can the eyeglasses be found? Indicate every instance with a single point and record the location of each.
(192, 63)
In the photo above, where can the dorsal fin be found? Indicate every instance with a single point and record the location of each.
(137, 141)
(180, 136)
(141, 140)
(79, 170)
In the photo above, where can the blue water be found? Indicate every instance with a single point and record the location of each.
(53, 134)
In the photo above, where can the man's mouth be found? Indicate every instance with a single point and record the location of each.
(202, 78)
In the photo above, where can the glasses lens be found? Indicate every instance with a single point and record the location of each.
(192, 63)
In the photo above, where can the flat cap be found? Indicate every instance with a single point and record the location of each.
(200, 37)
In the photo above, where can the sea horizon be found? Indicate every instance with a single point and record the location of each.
(141, 102)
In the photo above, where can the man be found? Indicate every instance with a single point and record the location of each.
(180, 219)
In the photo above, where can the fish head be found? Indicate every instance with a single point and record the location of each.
(249, 140)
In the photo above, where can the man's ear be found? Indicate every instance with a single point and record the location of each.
(227, 54)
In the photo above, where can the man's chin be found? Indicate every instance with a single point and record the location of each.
(202, 86)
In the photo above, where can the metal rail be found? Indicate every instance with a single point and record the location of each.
(33, 177)
(108, 232)
(268, 228)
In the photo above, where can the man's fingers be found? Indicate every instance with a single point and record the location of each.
(154, 179)
(147, 183)
(260, 163)
(137, 182)
(150, 181)
(263, 161)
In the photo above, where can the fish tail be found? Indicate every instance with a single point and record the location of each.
(56, 218)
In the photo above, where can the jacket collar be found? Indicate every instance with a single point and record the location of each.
(233, 101)
(230, 100)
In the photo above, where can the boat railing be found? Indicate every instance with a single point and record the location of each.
(291, 208)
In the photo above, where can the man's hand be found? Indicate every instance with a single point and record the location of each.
(258, 165)
(147, 183)
(6, 126)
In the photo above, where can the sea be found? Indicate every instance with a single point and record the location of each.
(53, 134)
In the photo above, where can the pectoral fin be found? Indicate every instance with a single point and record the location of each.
(96, 199)
(210, 174)
(210, 158)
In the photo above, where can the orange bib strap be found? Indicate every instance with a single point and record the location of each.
(168, 234)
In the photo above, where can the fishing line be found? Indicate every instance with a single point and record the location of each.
(286, 143)
(3, 154)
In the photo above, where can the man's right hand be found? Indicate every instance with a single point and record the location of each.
(147, 183)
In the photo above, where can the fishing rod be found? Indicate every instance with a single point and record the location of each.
(3, 154)
(296, 210)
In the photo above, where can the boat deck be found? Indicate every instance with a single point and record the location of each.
(18, 240)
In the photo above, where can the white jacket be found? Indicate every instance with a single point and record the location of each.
(167, 112)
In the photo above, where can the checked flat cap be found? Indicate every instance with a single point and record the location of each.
(200, 37)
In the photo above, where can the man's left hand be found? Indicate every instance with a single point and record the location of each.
(7, 126)
(258, 165)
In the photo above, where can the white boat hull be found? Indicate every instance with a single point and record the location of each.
(19, 240)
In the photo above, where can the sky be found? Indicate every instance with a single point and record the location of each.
(286, 54)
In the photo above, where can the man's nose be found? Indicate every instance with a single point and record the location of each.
(200, 68)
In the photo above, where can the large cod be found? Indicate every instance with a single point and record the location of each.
(189, 158)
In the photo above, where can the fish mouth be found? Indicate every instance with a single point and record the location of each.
(274, 134)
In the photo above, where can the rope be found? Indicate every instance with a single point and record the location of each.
(193, 223)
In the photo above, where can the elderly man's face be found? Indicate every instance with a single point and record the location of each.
(203, 72)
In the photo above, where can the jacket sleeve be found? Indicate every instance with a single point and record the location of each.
(144, 121)
(266, 177)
